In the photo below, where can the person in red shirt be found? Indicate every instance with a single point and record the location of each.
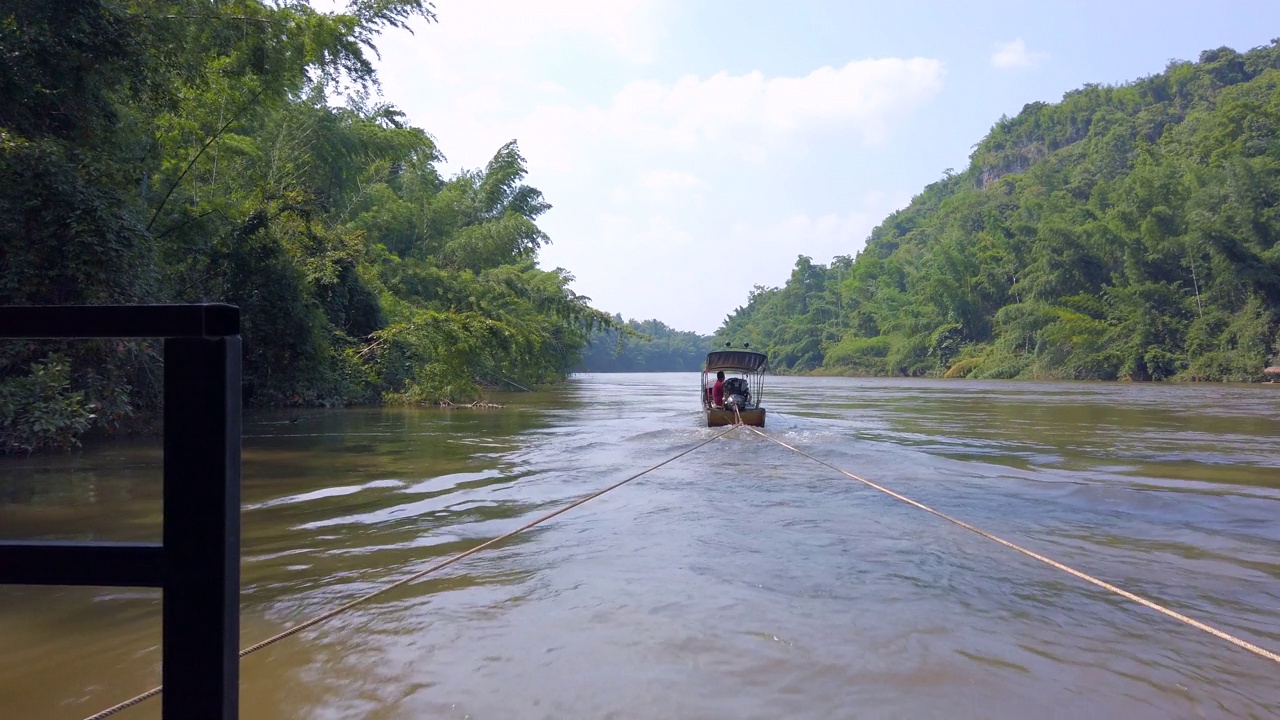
(717, 390)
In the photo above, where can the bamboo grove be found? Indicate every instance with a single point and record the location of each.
(230, 151)
(1125, 232)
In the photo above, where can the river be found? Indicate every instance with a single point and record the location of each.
(741, 581)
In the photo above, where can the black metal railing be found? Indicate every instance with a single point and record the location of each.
(197, 566)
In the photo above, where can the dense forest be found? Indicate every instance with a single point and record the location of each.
(648, 346)
(229, 150)
(1124, 232)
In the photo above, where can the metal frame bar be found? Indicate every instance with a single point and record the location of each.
(119, 321)
(79, 563)
(198, 564)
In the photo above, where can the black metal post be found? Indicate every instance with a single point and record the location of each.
(198, 565)
(201, 507)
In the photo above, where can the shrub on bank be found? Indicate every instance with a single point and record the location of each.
(39, 410)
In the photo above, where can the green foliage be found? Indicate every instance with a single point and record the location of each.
(860, 355)
(648, 346)
(1125, 232)
(187, 151)
(1230, 346)
(39, 410)
(59, 63)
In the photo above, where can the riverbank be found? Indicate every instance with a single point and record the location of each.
(963, 374)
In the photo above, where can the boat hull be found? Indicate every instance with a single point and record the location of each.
(717, 417)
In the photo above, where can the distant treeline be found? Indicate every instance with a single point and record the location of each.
(648, 346)
(1124, 232)
(189, 151)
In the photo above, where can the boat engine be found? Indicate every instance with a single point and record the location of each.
(737, 393)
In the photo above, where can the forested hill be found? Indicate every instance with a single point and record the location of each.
(189, 151)
(1124, 232)
(648, 346)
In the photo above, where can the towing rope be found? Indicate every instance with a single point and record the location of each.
(1256, 650)
(418, 575)
(1244, 644)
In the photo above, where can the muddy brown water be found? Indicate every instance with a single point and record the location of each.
(738, 582)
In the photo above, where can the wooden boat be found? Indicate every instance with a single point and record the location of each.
(743, 386)
(717, 417)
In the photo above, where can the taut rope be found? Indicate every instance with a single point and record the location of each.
(417, 575)
(1244, 644)
(1259, 651)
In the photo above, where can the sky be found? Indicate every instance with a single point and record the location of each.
(692, 150)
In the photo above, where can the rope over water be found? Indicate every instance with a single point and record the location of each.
(418, 575)
(1245, 644)
(1150, 604)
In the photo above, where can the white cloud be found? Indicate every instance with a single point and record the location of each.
(862, 97)
(483, 100)
(658, 175)
(821, 238)
(671, 186)
(680, 163)
(550, 88)
(627, 27)
(1015, 55)
(690, 275)
(621, 196)
(489, 45)
(747, 116)
(669, 179)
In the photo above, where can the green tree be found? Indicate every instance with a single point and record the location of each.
(1126, 231)
(188, 151)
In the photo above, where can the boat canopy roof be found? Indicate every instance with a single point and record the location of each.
(742, 360)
